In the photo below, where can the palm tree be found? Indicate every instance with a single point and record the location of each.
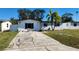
(53, 18)
(49, 17)
(56, 19)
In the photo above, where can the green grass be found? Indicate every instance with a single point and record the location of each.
(66, 37)
(5, 39)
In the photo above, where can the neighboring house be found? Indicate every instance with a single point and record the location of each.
(68, 25)
(5, 26)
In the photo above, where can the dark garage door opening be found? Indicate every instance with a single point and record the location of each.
(29, 25)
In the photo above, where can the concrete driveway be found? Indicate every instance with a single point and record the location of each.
(36, 41)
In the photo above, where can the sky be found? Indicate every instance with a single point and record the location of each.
(7, 13)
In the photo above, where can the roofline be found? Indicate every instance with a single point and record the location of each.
(27, 19)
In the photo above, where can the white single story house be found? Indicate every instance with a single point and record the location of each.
(27, 24)
(5, 26)
(37, 25)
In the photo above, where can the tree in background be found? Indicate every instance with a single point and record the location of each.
(13, 20)
(28, 14)
(36, 14)
(67, 17)
(22, 14)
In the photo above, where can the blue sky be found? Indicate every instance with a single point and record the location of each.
(6, 13)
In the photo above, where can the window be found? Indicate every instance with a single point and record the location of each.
(67, 24)
(45, 24)
(7, 25)
(75, 24)
(57, 24)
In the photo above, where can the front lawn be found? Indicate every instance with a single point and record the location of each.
(66, 37)
(5, 39)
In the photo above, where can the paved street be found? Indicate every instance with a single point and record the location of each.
(36, 41)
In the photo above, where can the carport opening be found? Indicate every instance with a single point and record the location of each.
(29, 25)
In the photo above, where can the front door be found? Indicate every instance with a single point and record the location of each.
(29, 25)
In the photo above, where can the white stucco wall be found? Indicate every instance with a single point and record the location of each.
(37, 25)
(66, 26)
(4, 26)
